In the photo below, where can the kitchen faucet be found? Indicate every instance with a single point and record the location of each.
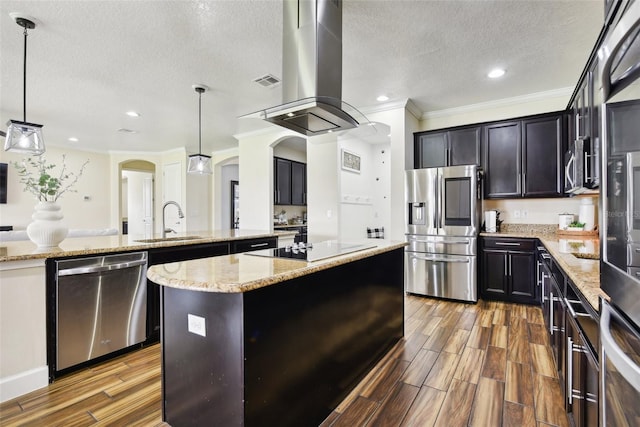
(164, 208)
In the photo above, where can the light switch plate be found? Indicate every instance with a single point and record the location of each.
(197, 325)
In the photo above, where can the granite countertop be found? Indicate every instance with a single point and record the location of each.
(584, 272)
(27, 250)
(244, 272)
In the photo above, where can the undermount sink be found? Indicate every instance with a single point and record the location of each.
(168, 239)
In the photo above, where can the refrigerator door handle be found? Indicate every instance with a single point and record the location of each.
(625, 366)
(441, 201)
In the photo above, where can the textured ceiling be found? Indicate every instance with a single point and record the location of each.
(91, 61)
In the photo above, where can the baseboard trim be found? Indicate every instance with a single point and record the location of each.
(24, 382)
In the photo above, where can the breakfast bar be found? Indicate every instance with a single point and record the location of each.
(258, 339)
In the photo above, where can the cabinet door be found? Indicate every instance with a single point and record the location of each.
(430, 150)
(298, 183)
(502, 160)
(542, 161)
(464, 146)
(282, 183)
(494, 269)
(521, 276)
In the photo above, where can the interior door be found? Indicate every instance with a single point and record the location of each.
(147, 204)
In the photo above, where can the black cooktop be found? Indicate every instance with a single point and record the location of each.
(312, 251)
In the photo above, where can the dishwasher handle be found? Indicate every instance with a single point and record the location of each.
(100, 268)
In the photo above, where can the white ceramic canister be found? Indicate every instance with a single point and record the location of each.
(587, 213)
(564, 220)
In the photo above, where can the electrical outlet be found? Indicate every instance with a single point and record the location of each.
(525, 213)
(197, 325)
(516, 213)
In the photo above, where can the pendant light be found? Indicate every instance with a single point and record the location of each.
(199, 163)
(24, 137)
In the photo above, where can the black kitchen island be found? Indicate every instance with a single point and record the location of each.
(256, 341)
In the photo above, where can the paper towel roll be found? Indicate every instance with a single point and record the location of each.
(587, 213)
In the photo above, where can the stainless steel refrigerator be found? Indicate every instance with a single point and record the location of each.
(442, 224)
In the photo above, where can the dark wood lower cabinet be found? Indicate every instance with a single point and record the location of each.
(573, 337)
(582, 378)
(508, 270)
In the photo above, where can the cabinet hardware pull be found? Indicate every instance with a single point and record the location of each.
(507, 244)
(570, 369)
(257, 245)
(551, 325)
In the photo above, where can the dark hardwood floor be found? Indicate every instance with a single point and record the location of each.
(485, 364)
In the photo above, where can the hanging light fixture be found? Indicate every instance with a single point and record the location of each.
(24, 137)
(199, 163)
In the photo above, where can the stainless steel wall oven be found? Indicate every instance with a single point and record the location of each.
(619, 59)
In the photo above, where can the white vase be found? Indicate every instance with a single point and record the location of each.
(47, 229)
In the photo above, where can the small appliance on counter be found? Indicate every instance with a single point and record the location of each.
(564, 220)
(491, 221)
(587, 214)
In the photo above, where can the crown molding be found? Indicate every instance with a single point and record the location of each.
(407, 104)
(505, 102)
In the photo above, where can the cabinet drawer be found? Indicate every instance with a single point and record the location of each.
(509, 244)
(253, 244)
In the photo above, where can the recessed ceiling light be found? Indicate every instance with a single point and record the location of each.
(73, 139)
(495, 73)
(133, 114)
(382, 98)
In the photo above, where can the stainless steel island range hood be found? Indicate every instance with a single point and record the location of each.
(312, 69)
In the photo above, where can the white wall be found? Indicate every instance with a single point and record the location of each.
(197, 210)
(536, 103)
(78, 212)
(323, 202)
(402, 123)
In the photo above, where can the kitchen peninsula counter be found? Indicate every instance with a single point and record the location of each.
(583, 272)
(250, 340)
(96, 245)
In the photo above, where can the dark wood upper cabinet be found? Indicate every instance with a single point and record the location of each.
(431, 150)
(542, 157)
(290, 182)
(524, 158)
(298, 183)
(464, 146)
(459, 146)
(502, 154)
(282, 187)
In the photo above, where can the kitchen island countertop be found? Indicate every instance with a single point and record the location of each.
(584, 273)
(74, 246)
(243, 272)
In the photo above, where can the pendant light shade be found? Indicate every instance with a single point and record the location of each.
(24, 137)
(199, 163)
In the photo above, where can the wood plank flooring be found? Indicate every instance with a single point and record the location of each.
(485, 364)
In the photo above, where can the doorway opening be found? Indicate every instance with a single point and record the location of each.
(136, 197)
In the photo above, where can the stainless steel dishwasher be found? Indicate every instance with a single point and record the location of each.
(101, 306)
